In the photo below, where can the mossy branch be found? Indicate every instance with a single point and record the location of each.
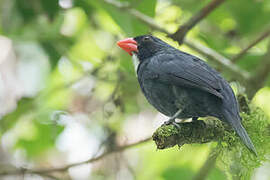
(192, 132)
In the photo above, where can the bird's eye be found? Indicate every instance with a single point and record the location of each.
(146, 38)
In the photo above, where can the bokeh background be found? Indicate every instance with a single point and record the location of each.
(68, 93)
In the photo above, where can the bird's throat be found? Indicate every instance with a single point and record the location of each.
(136, 62)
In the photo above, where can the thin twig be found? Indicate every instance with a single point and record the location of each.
(64, 168)
(180, 34)
(252, 44)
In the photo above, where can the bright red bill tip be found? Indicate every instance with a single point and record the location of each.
(129, 45)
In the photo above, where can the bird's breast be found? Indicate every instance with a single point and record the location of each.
(160, 95)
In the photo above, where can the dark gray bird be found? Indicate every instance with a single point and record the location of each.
(181, 85)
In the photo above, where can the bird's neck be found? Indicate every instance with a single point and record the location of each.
(136, 62)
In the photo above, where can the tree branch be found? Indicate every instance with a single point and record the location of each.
(252, 44)
(64, 168)
(192, 132)
(180, 34)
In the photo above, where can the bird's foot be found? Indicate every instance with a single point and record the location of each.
(171, 121)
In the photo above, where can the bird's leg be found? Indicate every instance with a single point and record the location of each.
(172, 119)
(194, 118)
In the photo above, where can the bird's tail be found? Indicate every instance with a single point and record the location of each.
(235, 122)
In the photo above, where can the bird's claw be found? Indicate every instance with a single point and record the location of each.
(171, 121)
(176, 125)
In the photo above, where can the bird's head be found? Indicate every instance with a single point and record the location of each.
(143, 46)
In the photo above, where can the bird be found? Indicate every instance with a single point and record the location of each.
(182, 86)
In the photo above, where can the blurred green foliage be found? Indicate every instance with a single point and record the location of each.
(79, 41)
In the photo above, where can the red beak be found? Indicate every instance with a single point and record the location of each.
(129, 45)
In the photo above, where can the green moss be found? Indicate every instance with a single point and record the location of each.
(167, 131)
(165, 136)
(235, 158)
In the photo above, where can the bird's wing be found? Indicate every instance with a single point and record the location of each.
(187, 71)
